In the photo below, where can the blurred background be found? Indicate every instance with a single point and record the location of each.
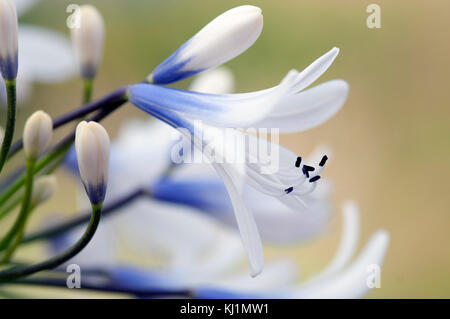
(390, 141)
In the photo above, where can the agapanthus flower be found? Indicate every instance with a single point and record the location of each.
(178, 108)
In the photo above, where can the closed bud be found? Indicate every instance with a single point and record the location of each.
(92, 147)
(88, 37)
(221, 40)
(43, 189)
(8, 39)
(37, 134)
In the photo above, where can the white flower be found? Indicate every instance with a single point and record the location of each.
(44, 56)
(292, 180)
(37, 134)
(8, 39)
(43, 189)
(88, 40)
(92, 147)
(224, 38)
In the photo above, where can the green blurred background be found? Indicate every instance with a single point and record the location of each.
(390, 141)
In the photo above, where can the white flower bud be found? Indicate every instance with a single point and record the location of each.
(88, 38)
(92, 147)
(219, 41)
(43, 189)
(37, 134)
(8, 39)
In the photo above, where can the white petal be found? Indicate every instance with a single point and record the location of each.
(245, 221)
(225, 110)
(44, 55)
(347, 245)
(353, 282)
(307, 109)
(316, 69)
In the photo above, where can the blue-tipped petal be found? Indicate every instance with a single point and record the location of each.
(206, 195)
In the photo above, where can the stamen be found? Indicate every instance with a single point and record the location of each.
(305, 172)
(314, 179)
(298, 162)
(309, 168)
(289, 190)
(323, 161)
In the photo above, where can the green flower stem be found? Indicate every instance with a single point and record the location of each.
(12, 248)
(10, 121)
(40, 165)
(20, 222)
(22, 271)
(88, 88)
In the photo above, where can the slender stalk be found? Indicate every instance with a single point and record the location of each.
(88, 86)
(20, 222)
(84, 218)
(7, 209)
(110, 101)
(40, 165)
(22, 271)
(10, 121)
(137, 291)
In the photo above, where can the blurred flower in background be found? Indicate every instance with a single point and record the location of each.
(185, 225)
(45, 56)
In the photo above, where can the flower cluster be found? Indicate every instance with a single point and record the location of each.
(185, 215)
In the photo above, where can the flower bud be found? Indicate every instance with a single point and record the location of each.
(88, 37)
(8, 39)
(37, 134)
(43, 189)
(92, 147)
(221, 40)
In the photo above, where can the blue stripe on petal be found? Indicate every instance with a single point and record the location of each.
(207, 195)
(219, 293)
(172, 69)
(9, 67)
(127, 277)
(202, 105)
(96, 193)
